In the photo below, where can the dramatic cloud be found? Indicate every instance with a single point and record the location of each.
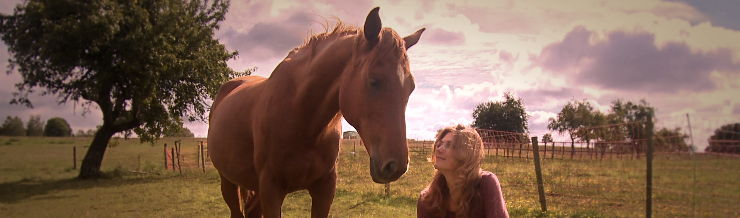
(443, 37)
(270, 39)
(722, 13)
(632, 61)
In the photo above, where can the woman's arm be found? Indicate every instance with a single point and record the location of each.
(493, 198)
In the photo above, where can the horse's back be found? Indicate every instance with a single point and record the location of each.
(229, 135)
(232, 84)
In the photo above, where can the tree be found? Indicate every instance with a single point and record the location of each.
(634, 115)
(57, 126)
(575, 118)
(507, 115)
(145, 64)
(725, 139)
(547, 138)
(671, 140)
(180, 131)
(13, 126)
(34, 127)
(83, 133)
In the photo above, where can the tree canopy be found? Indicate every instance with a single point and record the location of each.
(146, 65)
(574, 116)
(726, 139)
(12, 126)
(180, 131)
(507, 115)
(57, 126)
(35, 127)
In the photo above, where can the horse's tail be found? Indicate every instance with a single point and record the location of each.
(249, 202)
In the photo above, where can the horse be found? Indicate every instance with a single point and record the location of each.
(271, 136)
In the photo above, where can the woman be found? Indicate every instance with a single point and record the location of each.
(460, 188)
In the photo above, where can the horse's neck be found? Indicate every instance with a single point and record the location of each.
(311, 82)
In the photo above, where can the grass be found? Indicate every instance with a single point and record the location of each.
(37, 180)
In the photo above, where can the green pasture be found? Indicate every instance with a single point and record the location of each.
(37, 180)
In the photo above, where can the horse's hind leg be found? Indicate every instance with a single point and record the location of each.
(231, 195)
(250, 203)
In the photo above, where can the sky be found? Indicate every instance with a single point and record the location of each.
(682, 57)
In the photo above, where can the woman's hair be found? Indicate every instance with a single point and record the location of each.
(469, 152)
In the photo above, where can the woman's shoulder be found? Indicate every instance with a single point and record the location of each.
(488, 179)
(487, 175)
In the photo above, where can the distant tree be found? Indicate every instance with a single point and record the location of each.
(83, 133)
(57, 126)
(634, 114)
(507, 115)
(145, 64)
(35, 127)
(725, 139)
(180, 131)
(575, 118)
(670, 140)
(547, 138)
(13, 126)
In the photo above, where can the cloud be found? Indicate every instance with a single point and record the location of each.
(631, 61)
(720, 12)
(443, 37)
(270, 38)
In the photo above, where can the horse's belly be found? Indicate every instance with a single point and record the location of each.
(300, 171)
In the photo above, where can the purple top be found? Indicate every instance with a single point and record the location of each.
(491, 197)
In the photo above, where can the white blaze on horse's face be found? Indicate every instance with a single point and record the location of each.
(373, 97)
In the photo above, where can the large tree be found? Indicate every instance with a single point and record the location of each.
(507, 115)
(726, 139)
(670, 140)
(12, 126)
(57, 126)
(35, 127)
(577, 118)
(145, 64)
(634, 116)
(180, 131)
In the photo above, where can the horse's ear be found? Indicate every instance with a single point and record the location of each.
(412, 39)
(372, 27)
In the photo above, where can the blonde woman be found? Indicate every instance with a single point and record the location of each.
(460, 188)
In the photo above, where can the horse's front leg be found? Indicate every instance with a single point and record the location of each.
(322, 194)
(271, 196)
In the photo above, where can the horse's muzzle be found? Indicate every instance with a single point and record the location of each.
(387, 171)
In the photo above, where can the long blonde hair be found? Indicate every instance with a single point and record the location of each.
(469, 147)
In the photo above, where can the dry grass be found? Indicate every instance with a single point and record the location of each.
(37, 180)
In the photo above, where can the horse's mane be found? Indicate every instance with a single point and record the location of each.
(312, 41)
(387, 47)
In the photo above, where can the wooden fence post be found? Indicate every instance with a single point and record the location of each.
(74, 157)
(172, 157)
(538, 171)
(202, 157)
(165, 156)
(179, 167)
(649, 176)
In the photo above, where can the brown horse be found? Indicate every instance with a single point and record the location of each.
(270, 137)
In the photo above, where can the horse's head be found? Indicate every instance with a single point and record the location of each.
(374, 94)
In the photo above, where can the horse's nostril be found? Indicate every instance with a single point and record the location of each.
(389, 168)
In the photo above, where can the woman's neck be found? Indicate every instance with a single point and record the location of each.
(454, 185)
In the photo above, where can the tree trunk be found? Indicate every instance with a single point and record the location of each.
(572, 148)
(90, 168)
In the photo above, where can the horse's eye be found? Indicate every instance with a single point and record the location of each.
(374, 83)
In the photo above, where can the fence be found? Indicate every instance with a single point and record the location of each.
(175, 159)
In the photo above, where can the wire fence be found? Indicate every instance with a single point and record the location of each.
(625, 170)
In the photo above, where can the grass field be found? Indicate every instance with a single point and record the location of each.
(37, 180)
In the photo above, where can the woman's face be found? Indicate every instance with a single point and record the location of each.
(445, 154)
